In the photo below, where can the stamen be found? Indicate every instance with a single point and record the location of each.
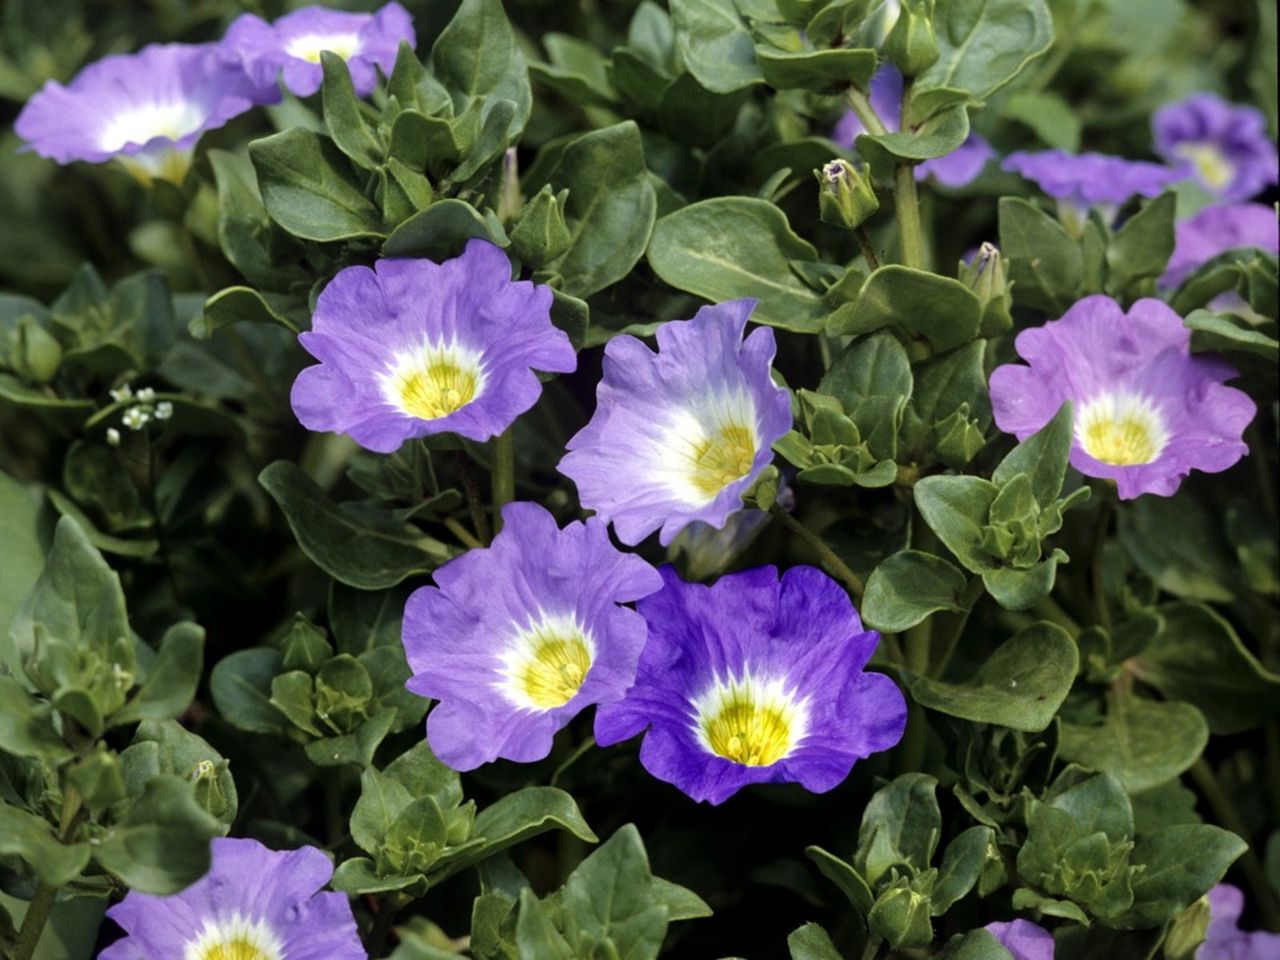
(749, 721)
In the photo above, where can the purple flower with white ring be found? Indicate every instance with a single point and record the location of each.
(516, 639)
(957, 169)
(413, 347)
(755, 679)
(253, 904)
(144, 109)
(1083, 180)
(1023, 939)
(291, 46)
(1224, 145)
(1147, 412)
(681, 434)
(1224, 940)
(1215, 230)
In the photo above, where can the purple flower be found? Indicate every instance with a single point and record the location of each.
(1216, 230)
(253, 903)
(1146, 412)
(412, 347)
(957, 169)
(517, 639)
(1224, 940)
(1023, 939)
(1085, 179)
(1223, 145)
(145, 109)
(755, 679)
(292, 45)
(680, 435)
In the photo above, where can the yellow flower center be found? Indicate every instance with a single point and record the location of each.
(234, 938)
(722, 458)
(234, 950)
(749, 721)
(434, 381)
(545, 665)
(1123, 430)
(1210, 163)
(311, 46)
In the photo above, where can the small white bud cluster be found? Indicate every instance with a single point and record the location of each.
(144, 410)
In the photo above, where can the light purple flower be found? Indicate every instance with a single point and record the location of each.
(680, 435)
(412, 347)
(755, 679)
(1225, 146)
(145, 109)
(292, 45)
(1224, 940)
(1087, 179)
(515, 640)
(1147, 412)
(1023, 939)
(253, 903)
(957, 169)
(1215, 230)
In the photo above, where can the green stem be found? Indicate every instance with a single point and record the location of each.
(1048, 609)
(504, 474)
(385, 918)
(871, 948)
(41, 904)
(478, 519)
(968, 599)
(868, 252)
(462, 533)
(1224, 809)
(829, 559)
(860, 104)
(907, 204)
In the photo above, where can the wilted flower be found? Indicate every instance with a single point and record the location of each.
(292, 45)
(1084, 180)
(1225, 146)
(254, 903)
(957, 169)
(412, 347)
(145, 109)
(680, 435)
(1216, 230)
(1023, 939)
(756, 679)
(1146, 412)
(1224, 939)
(517, 639)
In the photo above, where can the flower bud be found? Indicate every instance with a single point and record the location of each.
(34, 352)
(1187, 931)
(987, 277)
(912, 46)
(541, 235)
(845, 196)
(901, 916)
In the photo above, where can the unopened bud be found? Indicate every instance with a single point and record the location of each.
(1187, 931)
(845, 195)
(987, 276)
(36, 354)
(541, 234)
(912, 45)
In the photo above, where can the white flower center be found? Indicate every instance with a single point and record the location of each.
(1210, 163)
(144, 123)
(434, 380)
(707, 446)
(309, 46)
(234, 938)
(545, 663)
(1124, 429)
(749, 720)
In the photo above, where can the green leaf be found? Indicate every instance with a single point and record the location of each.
(1180, 545)
(441, 231)
(166, 747)
(875, 366)
(536, 936)
(356, 747)
(956, 509)
(1045, 264)
(811, 942)
(26, 725)
(476, 57)
(844, 876)
(172, 680)
(609, 899)
(983, 44)
(681, 902)
(914, 302)
(729, 247)
(975, 945)
(822, 71)
(1199, 658)
(1042, 457)
(1141, 248)
(1141, 742)
(241, 688)
(901, 825)
(1229, 333)
(1179, 865)
(714, 44)
(962, 864)
(360, 545)
(162, 844)
(309, 189)
(908, 587)
(359, 876)
(236, 305)
(1021, 685)
(25, 835)
(382, 798)
(419, 771)
(1048, 115)
(25, 539)
(1020, 589)
(937, 136)
(246, 235)
(342, 116)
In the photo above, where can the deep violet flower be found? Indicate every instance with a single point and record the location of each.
(253, 904)
(1225, 146)
(518, 638)
(1147, 412)
(291, 46)
(1023, 939)
(413, 347)
(1090, 179)
(144, 109)
(958, 168)
(1215, 230)
(679, 435)
(755, 679)
(1224, 940)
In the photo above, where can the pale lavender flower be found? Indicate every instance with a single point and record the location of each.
(1215, 230)
(1023, 939)
(1225, 146)
(1224, 940)
(1090, 179)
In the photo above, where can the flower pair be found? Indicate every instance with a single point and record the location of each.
(148, 109)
